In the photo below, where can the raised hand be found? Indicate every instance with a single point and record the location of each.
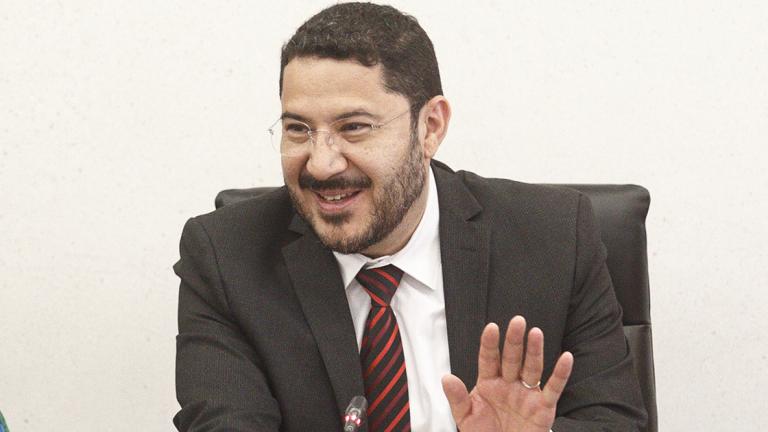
(507, 396)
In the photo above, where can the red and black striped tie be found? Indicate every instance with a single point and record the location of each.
(381, 354)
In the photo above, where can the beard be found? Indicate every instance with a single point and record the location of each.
(396, 196)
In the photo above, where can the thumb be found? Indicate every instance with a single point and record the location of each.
(458, 397)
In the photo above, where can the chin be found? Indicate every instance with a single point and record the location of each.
(339, 235)
(335, 221)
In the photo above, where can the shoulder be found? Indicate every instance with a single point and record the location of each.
(270, 205)
(505, 199)
(261, 220)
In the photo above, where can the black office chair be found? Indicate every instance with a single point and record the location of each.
(621, 212)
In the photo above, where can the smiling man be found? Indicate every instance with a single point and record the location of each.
(378, 271)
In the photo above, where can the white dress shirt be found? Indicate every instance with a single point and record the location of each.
(419, 306)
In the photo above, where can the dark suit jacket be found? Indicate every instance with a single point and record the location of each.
(266, 340)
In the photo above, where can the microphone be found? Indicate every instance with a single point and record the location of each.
(355, 414)
(4, 426)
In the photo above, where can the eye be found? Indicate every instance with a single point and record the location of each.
(354, 130)
(295, 128)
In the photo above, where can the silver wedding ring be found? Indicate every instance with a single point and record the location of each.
(528, 386)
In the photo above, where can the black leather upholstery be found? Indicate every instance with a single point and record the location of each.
(621, 212)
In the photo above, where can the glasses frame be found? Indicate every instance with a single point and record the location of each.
(312, 133)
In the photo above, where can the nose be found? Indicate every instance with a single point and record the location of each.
(325, 159)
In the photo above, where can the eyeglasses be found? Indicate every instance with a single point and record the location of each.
(293, 138)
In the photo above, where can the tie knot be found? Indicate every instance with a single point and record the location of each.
(380, 283)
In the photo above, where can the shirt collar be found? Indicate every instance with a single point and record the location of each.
(419, 258)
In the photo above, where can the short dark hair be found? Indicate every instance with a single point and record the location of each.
(372, 34)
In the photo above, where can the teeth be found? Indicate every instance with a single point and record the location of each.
(335, 197)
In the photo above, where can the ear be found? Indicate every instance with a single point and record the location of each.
(437, 115)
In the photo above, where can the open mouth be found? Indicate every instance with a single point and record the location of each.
(337, 197)
(335, 200)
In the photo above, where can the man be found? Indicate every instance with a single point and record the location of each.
(376, 270)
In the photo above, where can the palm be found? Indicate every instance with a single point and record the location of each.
(500, 401)
(516, 407)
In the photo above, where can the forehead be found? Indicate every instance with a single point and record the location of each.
(321, 86)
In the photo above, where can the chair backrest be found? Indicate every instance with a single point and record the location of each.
(621, 212)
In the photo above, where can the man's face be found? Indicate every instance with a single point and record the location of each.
(352, 199)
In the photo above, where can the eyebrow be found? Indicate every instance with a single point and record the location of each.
(344, 115)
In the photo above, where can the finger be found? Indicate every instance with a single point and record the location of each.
(458, 397)
(534, 357)
(512, 356)
(557, 381)
(488, 361)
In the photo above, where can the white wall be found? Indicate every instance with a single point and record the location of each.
(119, 120)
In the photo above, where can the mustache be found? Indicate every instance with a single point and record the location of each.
(307, 181)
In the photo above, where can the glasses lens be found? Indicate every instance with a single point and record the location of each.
(353, 132)
(288, 137)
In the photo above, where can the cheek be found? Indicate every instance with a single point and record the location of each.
(291, 170)
(391, 166)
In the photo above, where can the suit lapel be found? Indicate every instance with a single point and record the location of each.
(464, 250)
(320, 290)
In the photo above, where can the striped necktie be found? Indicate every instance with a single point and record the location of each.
(381, 354)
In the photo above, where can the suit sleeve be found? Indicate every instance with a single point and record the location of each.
(219, 383)
(602, 393)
